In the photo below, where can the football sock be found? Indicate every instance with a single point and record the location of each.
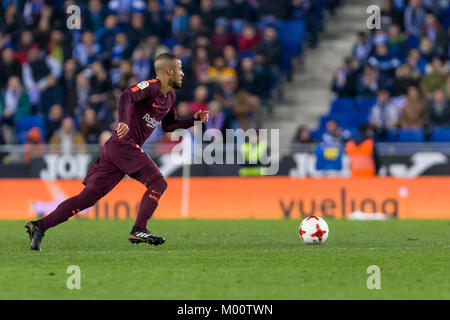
(149, 201)
(68, 208)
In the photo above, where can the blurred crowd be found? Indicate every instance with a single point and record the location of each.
(404, 67)
(230, 50)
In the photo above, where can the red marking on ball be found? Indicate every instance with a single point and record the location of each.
(301, 232)
(319, 233)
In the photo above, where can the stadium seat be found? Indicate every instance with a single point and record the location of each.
(292, 34)
(353, 131)
(364, 118)
(25, 123)
(171, 42)
(364, 105)
(351, 120)
(343, 106)
(316, 134)
(413, 42)
(441, 134)
(411, 135)
(391, 136)
(323, 121)
(446, 18)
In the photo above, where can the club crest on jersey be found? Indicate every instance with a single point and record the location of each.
(150, 121)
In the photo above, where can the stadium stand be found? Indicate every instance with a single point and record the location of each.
(409, 59)
(231, 49)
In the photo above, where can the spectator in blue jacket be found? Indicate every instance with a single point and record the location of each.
(414, 19)
(123, 8)
(180, 20)
(88, 50)
(385, 63)
(106, 36)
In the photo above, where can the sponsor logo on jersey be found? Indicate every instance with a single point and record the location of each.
(150, 121)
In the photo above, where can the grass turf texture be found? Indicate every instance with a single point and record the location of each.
(228, 259)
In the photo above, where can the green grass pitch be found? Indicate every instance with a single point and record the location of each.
(228, 259)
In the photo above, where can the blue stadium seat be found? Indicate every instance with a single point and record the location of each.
(446, 18)
(350, 120)
(441, 134)
(391, 136)
(25, 123)
(343, 106)
(364, 118)
(316, 134)
(171, 42)
(246, 54)
(411, 135)
(413, 42)
(354, 131)
(323, 121)
(365, 104)
(292, 34)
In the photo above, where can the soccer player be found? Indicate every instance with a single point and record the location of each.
(141, 109)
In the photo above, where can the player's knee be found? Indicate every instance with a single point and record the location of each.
(164, 185)
(156, 188)
(89, 198)
(160, 184)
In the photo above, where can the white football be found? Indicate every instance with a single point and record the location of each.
(313, 230)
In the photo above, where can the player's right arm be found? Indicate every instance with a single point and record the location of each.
(122, 130)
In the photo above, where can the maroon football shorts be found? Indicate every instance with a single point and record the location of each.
(118, 158)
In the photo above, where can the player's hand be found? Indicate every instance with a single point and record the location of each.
(122, 130)
(203, 115)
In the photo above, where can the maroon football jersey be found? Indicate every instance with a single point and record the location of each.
(143, 107)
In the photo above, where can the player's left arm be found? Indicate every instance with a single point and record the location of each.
(171, 122)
